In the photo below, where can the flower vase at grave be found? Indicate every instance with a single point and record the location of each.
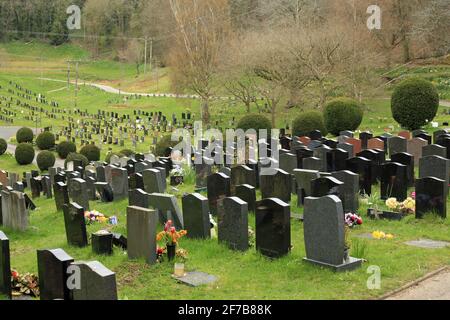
(179, 270)
(171, 251)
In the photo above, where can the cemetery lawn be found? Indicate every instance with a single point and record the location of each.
(245, 275)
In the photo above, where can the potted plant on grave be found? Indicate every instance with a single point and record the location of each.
(177, 176)
(181, 258)
(170, 236)
(351, 220)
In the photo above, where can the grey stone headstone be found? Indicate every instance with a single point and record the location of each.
(431, 197)
(303, 178)
(17, 216)
(434, 166)
(153, 181)
(243, 175)
(196, 216)
(233, 224)
(167, 208)
(61, 195)
(312, 163)
(219, 187)
(349, 191)
(196, 279)
(434, 150)
(324, 234)
(52, 266)
(141, 229)
(247, 193)
(138, 198)
(273, 227)
(5, 266)
(78, 192)
(397, 145)
(276, 185)
(75, 225)
(322, 154)
(97, 282)
(119, 183)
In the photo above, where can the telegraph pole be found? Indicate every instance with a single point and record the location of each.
(68, 75)
(151, 54)
(145, 56)
(76, 84)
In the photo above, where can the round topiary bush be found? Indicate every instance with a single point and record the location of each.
(45, 141)
(45, 160)
(24, 135)
(307, 122)
(414, 103)
(163, 145)
(3, 146)
(76, 156)
(342, 114)
(91, 152)
(24, 154)
(64, 148)
(127, 152)
(256, 122)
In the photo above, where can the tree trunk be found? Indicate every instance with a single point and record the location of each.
(205, 111)
(273, 109)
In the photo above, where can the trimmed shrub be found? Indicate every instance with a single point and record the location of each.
(342, 114)
(161, 148)
(65, 148)
(45, 141)
(256, 122)
(414, 103)
(127, 152)
(24, 135)
(76, 156)
(3, 146)
(307, 122)
(24, 154)
(91, 152)
(45, 159)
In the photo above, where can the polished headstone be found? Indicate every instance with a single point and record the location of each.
(75, 225)
(233, 224)
(196, 216)
(141, 228)
(324, 234)
(52, 266)
(273, 227)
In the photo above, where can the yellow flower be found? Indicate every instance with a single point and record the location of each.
(392, 203)
(379, 235)
(389, 236)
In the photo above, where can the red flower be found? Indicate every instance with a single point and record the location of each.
(14, 274)
(173, 230)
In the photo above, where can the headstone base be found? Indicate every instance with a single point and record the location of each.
(351, 265)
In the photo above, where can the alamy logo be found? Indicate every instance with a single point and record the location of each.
(374, 281)
(374, 21)
(74, 20)
(74, 279)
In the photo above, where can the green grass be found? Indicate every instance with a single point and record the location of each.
(245, 275)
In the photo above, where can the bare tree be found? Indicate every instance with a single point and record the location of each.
(432, 27)
(203, 29)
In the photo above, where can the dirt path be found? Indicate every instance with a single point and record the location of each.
(436, 287)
